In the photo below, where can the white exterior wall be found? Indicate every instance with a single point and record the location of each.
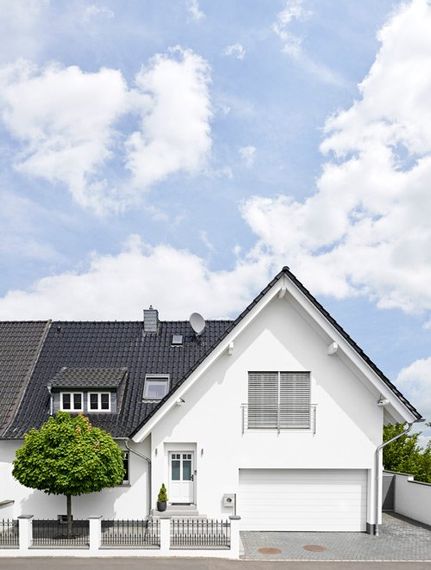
(412, 499)
(128, 501)
(349, 423)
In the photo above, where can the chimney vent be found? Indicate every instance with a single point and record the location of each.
(151, 320)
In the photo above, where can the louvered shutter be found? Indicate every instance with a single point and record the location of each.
(295, 400)
(262, 400)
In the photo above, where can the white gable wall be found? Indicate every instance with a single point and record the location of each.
(349, 423)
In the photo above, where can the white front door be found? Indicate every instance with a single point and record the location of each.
(181, 477)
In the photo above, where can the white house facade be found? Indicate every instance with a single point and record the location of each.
(275, 417)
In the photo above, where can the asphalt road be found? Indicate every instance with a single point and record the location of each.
(195, 564)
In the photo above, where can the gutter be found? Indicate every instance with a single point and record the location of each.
(148, 460)
(377, 468)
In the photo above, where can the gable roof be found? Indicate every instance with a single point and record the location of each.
(88, 377)
(20, 343)
(71, 347)
(285, 272)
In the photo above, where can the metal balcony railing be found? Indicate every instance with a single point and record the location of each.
(279, 418)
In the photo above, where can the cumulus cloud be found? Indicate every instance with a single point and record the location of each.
(66, 120)
(194, 10)
(174, 134)
(293, 13)
(415, 382)
(95, 11)
(365, 230)
(293, 10)
(235, 50)
(119, 286)
(248, 155)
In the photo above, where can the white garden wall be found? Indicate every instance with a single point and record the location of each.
(412, 498)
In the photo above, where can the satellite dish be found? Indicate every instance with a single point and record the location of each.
(197, 322)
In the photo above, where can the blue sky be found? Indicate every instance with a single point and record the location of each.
(179, 152)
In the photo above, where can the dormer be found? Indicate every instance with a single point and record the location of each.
(87, 390)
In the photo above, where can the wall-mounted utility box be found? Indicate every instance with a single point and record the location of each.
(229, 500)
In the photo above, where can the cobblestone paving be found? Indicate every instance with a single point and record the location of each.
(399, 539)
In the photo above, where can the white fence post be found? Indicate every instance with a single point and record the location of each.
(25, 526)
(95, 532)
(165, 535)
(234, 536)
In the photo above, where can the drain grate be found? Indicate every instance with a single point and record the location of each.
(269, 550)
(315, 548)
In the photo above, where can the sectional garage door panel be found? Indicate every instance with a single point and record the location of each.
(298, 499)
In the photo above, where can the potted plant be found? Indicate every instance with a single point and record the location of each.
(162, 498)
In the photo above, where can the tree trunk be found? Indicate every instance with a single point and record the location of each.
(69, 515)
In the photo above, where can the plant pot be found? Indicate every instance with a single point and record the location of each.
(161, 506)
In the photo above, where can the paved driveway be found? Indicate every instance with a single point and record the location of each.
(400, 539)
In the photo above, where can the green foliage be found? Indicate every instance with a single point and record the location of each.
(405, 455)
(163, 494)
(68, 456)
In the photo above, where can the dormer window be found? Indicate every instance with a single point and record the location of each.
(156, 387)
(99, 402)
(72, 401)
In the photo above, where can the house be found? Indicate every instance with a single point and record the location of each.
(276, 415)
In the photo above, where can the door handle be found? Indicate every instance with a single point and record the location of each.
(192, 477)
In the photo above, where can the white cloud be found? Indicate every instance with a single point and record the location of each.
(96, 11)
(174, 134)
(120, 286)
(248, 155)
(235, 50)
(66, 122)
(194, 10)
(293, 10)
(414, 381)
(366, 228)
(293, 13)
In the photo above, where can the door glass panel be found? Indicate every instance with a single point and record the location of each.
(175, 468)
(187, 470)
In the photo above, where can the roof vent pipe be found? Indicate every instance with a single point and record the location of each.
(151, 320)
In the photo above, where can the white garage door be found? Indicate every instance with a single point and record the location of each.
(299, 499)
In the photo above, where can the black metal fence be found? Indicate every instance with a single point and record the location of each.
(200, 533)
(132, 533)
(55, 534)
(9, 533)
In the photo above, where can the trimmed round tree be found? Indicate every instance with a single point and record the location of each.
(68, 456)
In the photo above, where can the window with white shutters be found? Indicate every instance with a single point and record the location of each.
(278, 400)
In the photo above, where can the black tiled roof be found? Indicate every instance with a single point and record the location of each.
(113, 345)
(88, 377)
(20, 343)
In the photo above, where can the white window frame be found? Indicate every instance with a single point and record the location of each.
(72, 403)
(156, 377)
(99, 403)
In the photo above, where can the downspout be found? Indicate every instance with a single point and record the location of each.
(377, 467)
(148, 460)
